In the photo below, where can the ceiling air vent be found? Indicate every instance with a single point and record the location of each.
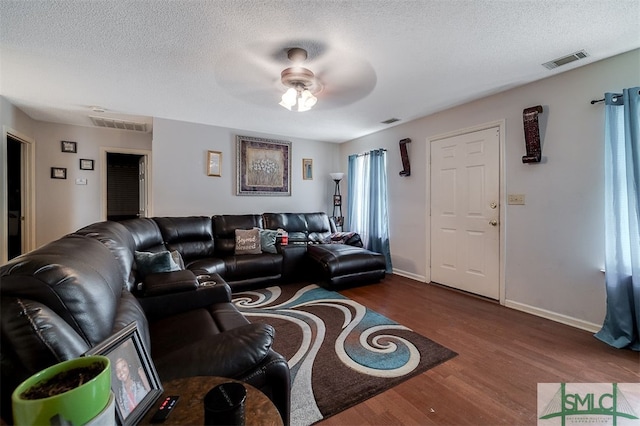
(565, 60)
(112, 123)
(389, 121)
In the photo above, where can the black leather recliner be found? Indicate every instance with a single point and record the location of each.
(66, 297)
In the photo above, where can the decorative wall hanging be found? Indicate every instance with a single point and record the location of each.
(214, 163)
(406, 166)
(263, 166)
(68, 146)
(532, 134)
(307, 169)
(86, 164)
(58, 173)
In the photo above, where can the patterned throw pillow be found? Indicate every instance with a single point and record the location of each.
(248, 241)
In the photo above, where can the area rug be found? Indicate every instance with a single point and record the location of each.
(340, 353)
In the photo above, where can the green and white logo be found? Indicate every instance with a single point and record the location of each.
(614, 404)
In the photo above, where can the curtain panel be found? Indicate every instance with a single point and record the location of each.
(368, 212)
(622, 215)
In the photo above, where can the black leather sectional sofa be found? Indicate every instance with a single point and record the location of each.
(62, 299)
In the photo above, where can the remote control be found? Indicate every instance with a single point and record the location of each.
(165, 409)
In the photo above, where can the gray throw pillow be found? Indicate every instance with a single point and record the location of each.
(150, 263)
(248, 241)
(268, 240)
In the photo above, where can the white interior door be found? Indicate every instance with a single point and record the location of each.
(465, 212)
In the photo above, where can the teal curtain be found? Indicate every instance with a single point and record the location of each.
(622, 214)
(368, 213)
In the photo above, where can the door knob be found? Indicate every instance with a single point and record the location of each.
(493, 222)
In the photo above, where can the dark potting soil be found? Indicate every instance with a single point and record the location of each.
(63, 381)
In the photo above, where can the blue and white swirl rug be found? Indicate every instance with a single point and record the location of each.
(340, 353)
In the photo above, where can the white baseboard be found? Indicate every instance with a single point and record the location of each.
(553, 316)
(409, 275)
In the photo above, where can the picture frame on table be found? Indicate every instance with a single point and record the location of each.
(263, 166)
(134, 380)
(86, 164)
(58, 173)
(307, 169)
(214, 163)
(69, 146)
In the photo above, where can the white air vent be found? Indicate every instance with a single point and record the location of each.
(565, 60)
(112, 123)
(389, 121)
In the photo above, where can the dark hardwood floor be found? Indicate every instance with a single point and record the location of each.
(502, 355)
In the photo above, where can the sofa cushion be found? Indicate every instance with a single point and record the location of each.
(192, 236)
(76, 276)
(224, 230)
(119, 241)
(146, 234)
(247, 241)
(252, 266)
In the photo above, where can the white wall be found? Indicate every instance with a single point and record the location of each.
(61, 205)
(181, 186)
(16, 122)
(554, 243)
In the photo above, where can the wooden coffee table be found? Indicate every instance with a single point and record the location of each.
(258, 409)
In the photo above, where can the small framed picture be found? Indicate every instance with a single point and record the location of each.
(214, 163)
(337, 200)
(68, 146)
(86, 164)
(134, 382)
(307, 169)
(58, 173)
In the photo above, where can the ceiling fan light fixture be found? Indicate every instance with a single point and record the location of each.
(299, 81)
(289, 98)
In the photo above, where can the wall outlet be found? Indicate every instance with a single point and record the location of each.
(515, 199)
(80, 181)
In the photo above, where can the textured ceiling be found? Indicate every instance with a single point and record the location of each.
(218, 62)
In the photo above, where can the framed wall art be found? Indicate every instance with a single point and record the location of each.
(134, 382)
(68, 146)
(307, 169)
(86, 164)
(58, 173)
(263, 166)
(214, 163)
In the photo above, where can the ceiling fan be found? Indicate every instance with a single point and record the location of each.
(261, 72)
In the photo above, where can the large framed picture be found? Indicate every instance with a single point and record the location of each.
(263, 166)
(134, 380)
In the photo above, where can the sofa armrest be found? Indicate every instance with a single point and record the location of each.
(169, 282)
(168, 304)
(232, 353)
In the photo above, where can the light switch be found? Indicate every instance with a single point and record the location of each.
(516, 199)
(80, 181)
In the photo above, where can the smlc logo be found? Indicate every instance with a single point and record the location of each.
(588, 403)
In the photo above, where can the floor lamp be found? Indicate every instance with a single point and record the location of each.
(337, 201)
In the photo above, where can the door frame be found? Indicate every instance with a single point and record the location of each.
(28, 193)
(501, 125)
(103, 176)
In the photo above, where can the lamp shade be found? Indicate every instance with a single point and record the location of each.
(337, 175)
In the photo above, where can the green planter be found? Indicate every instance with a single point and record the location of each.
(78, 405)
